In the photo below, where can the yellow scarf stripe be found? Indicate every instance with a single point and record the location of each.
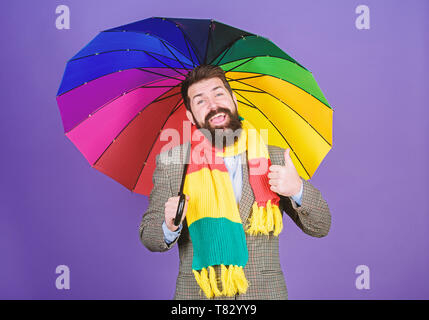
(232, 278)
(211, 203)
(256, 139)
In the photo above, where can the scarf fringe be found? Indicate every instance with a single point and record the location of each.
(265, 219)
(232, 278)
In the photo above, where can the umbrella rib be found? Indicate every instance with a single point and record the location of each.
(146, 52)
(249, 105)
(230, 45)
(208, 41)
(185, 36)
(263, 91)
(223, 54)
(264, 56)
(173, 55)
(163, 98)
(254, 106)
(122, 130)
(154, 36)
(187, 46)
(164, 63)
(253, 35)
(150, 86)
(247, 90)
(115, 98)
(225, 51)
(245, 78)
(175, 108)
(159, 74)
(281, 79)
(238, 65)
(117, 50)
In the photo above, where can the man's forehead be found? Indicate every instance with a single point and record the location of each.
(205, 85)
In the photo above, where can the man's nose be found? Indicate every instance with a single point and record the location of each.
(212, 104)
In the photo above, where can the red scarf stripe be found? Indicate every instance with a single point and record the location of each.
(211, 162)
(259, 183)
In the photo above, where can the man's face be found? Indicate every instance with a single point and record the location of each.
(212, 106)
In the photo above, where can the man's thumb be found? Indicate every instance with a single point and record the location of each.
(287, 156)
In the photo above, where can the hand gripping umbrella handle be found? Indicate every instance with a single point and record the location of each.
(182, 199)
(180, 207)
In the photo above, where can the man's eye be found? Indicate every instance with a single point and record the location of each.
(199, 102)
(219, 94)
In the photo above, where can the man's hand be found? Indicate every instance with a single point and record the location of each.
(284, 180)
(170, 212)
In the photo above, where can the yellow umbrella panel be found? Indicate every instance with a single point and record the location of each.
(294, 118)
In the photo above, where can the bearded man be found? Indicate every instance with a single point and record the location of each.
(228, 236)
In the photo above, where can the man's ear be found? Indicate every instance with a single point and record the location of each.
(234, 97)
(189, 116)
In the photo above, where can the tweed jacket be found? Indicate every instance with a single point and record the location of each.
(263, 270)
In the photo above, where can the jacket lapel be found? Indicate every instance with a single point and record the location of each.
(247, 196)
(176, 174)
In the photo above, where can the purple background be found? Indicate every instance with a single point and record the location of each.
(55, 209)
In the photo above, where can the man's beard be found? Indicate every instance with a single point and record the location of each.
(222, 137)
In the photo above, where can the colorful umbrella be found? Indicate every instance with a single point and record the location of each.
(123, 88)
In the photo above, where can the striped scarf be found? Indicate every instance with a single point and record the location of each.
(213, 218)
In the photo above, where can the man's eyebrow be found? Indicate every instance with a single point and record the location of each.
(200, 94)
(197, 95)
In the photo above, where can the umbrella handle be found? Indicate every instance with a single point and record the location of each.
(180, 207)
(182, 199)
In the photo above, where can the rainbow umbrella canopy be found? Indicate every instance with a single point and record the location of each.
(122, 89)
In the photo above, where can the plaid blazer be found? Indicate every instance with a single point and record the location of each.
(263, 270)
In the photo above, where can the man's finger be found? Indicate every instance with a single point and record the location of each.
(185, 210)
(275, 168)
(273, 182)
(273, 175)
(287, 156)
(171, 204)
(273, 188)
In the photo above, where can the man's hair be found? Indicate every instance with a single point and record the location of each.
(202, 72)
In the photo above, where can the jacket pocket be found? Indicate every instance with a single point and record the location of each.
(269, 272)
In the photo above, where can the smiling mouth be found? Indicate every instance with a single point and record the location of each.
(218, 118)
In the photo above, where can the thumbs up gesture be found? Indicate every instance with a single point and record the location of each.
(284, 180)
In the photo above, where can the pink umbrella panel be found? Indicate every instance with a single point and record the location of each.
(112, 127)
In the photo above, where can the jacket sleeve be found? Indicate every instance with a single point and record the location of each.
(313, 216)
(150, 229)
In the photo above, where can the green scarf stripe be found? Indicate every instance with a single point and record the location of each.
(217, 241)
